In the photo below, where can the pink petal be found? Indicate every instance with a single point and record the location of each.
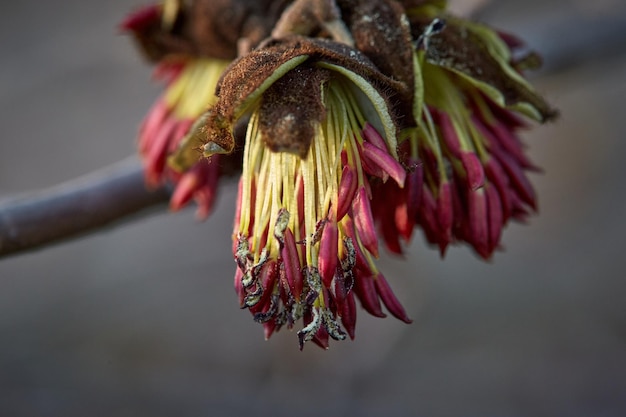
(390, 210)
(168, 71)
(205, 197)
(383, 160)
(370, 167)
(448, 134)
(366, 291)
(518, 179)
(512, 41)
(241, 293)
(498, 177)
(431, 164)
(372, 136)
(347, 190)
(501, 139)
(389, 299)
(268, 329)
(152, 125)
(403, 217)
(328, 252)
(414, 187)
(360, 261)
(182, 128)
(427, 217)
(185, 188)
(348, 315)
(364, 223)
(339, 289)
(321, 338)
(157, 153)
(141, 19)
(267, 278)
(291, 263)
(478, 220)
(511, 144)
(461, 217)
(473, 170)
(300, 200)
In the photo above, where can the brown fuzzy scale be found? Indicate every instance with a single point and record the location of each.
(291, 109)
(382, 32)
(155, 42)
(210, 28)
(458, 48)
(307, 18)
(260, 64)
(219, 24)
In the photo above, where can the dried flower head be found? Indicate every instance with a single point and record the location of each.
(351, 121)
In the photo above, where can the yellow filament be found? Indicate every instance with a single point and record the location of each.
(194, 89)
(277, 177)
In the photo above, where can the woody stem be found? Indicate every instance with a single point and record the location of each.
(104, 198)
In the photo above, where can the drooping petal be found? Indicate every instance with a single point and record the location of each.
(390, 300)
(364, 222)
(328, 253)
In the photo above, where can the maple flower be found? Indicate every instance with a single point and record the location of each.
(190, 88)
(192, 44)
(351, 121)
(467, 164)
(319, 129)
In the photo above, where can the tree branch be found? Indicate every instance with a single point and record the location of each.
(103, 198)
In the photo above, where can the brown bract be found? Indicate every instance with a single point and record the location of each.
(261, 66)
(378, 29)
(459, 48)
(155, 41)
(381, 31)
(291, 109)
(311, 18)
(208, 28)
(218, 25)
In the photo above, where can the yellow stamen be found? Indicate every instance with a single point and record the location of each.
(194, 89)
(280, 177)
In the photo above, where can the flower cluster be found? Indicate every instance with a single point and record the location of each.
(352, 121)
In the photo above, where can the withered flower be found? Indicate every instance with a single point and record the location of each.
(354, 120)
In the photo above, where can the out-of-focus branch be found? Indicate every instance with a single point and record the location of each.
(100, 199)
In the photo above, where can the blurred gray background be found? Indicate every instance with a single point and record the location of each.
(142, 319)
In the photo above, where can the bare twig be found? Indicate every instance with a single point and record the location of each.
(100, 199)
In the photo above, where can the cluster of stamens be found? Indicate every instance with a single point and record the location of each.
(303, 243)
